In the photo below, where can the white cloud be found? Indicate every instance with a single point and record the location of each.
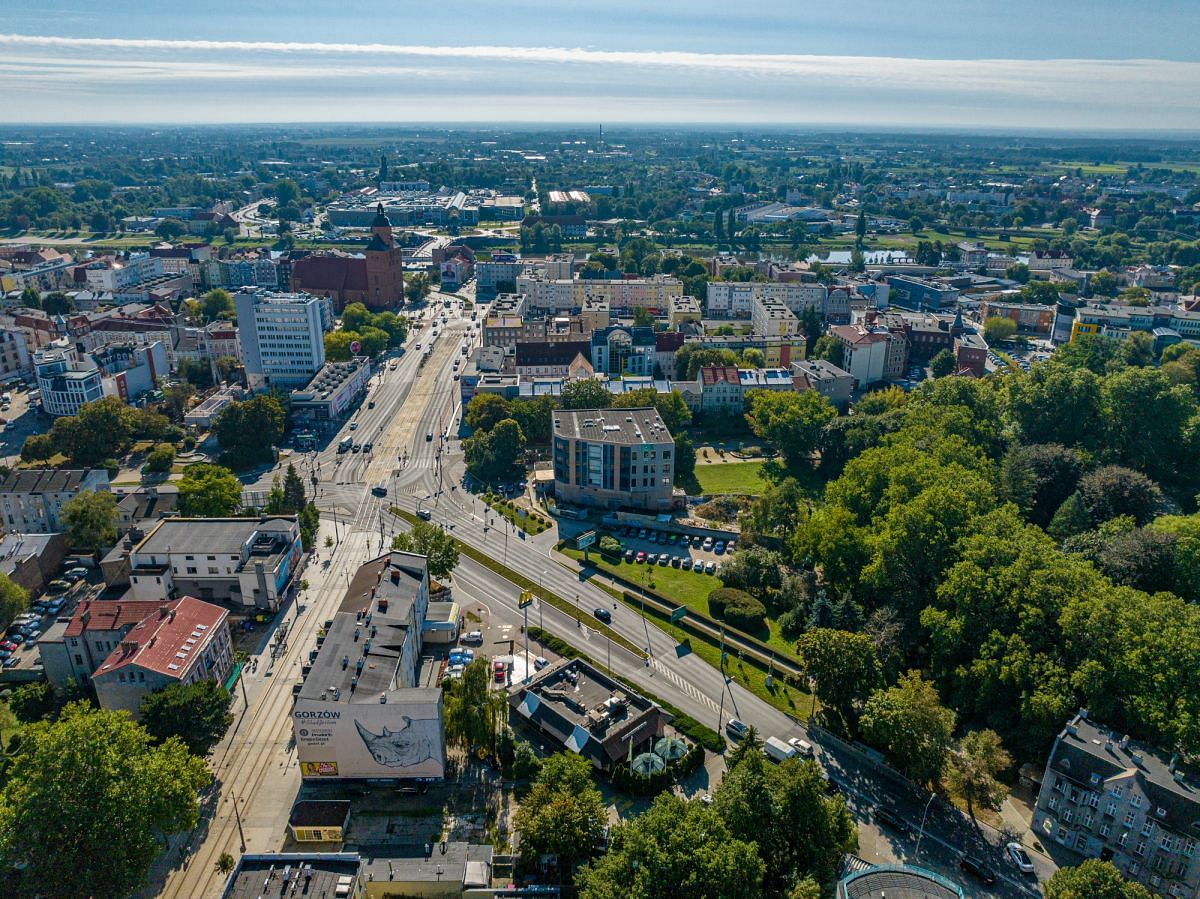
(1085, 92)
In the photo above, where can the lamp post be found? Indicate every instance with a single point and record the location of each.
(921, 835)
(237, 817)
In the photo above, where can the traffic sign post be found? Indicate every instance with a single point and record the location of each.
(584, 541)
(523, 603)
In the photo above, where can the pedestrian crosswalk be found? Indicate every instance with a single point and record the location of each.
(683, 685)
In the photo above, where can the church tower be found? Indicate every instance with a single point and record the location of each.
(385, 265)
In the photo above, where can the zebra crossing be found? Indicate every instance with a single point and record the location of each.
(683, 685)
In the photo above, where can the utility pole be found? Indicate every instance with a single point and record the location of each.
(237, 817)
(525, 612)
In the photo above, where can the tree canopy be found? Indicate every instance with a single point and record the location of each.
(209, 491)
(429, 540)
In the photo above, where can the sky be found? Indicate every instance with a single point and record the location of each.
(869, 64)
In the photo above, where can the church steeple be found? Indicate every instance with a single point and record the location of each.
(381, 231)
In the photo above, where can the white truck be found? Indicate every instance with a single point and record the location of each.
(777, 750)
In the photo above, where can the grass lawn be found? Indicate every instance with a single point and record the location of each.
(730, 477)
(687, 588)
(9, 724)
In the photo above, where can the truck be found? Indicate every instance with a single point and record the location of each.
(777, 750)
(345, 444)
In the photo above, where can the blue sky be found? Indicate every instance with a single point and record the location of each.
(873, 64)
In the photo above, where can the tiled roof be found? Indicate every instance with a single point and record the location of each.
(110, 615)
(714, 374)
(854, 335)
(335, 273)
(167, 641)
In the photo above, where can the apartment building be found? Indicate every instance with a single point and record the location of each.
(613, 458)
(491, 276)
(32, 498)
(735, 299)
(282, 336)
(770, 317)
(834, 383)
(617, 351)
(15, 360)
(864, 352)
(1118, 320)
(1106, 796)
(556, 295)
(67, 380)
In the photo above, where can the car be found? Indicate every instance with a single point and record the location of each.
(651, 558)
(676, 561)
(5, 653)
(628, 556)
(602, 615)
(641, 556)
(418, 346)
(9, 644)
(353, 426)
(736, 728)
(429, 437)
(12, 661)
(801, 746)
(461, 652)
(356, 448)
(653, 538)
(731, 546)
(77, 574)
(55, 607)
(32, 637)
(455, 671)
(710, 566)
(708, 543)
(1019, 857)
(664, 560)
(891, 820)
(367, 446)
(472, 637)
(642, 534)
(977, 868)
(58, 586)
(673, 539)
(425, 514)
(500, 672)
(371, 404)
(539, 663)
(706, 799)
(719, 549)
(379, 490)
(698, 565)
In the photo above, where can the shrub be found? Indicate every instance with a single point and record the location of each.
(610, 546)
(189, 443)
(112, 466)
(738, 608)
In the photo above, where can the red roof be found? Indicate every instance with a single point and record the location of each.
(333, 273)
(854, 334)
(109, 615)
(713, 374)
(667, 340)
(168, 640)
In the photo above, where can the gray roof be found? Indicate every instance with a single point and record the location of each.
(1090, 755)
(454, 862)
(618, 426)
(211, 535)
(45, 480)
(317, 875)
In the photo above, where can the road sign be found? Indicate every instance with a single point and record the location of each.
(586, 539)
(677, 615)
(526, 599)
(355, 347)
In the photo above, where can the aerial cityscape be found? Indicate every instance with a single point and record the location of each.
(489, 452)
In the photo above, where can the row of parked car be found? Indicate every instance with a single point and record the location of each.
(681, 562)
(667, 538)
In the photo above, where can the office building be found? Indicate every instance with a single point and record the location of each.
(619, 351)
(613, 458)
(282, 336)
(332, 393)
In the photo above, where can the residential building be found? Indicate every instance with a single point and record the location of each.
(618, 350)
(778, 352)
(558, 265)
(623, 295)
(256, 268)
(332, 393)
(970, 354)
(142, 506)
(770, 317)
(596, 313)
(972, 254)
(864, 352)
(1118, 320)
(1106, 796)
(74, 647)
(735, 299)
(32, 498)
(552, 359)
(492, 276)
(32, 560)
(1030, 318)
(684, 309)
(361, 711)
(582, 709)
(719, 391)
(1048, 260)
(246, 562)
(15, 360)
(571, 226)
(65, 382)
(834, 383)
(282, 336)
(613, 458)
(375, 278)
(184, 641)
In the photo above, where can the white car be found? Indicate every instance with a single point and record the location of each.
(801, 746)
(1016, 852)
(472, 637)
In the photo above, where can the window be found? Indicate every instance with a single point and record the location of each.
(1140, 849)
(1095, 778)
(1081, 842)
(78, 659)
(1105, 830)
(212, 569)
(1135, 800)
(1093, 799)
(1161, 812)
(1086, 821)
(191, 569)
(1166, 844)
(1111, 811)
(1129, 816)
(1118, 791)
(141, 677)
(1189, 848)
(74, 641)
(1123, 838)
(1074, 795)
(1053, 803)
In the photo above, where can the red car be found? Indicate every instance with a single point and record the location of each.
(501, 672)
(641, 557)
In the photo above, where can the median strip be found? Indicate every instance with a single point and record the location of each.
(526, 584)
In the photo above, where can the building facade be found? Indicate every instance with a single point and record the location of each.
(282, 336)
(613, 458)
(32, 499)
(618, 350)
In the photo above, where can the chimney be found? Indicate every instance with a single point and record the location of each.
(1083, 714)
(171, 616)
(162, 610)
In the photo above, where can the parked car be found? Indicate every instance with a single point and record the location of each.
(367, 446)
(603, 615)
(472, 637)
(708, 543)
(57, 586)
(736, 728)
(801, 746)
(641, 556)
(719, 549)
(353, 426)
(425, 514)
(664, 560)
(1019, 857)
(651, 558)
(698, 565)
(977, 868)
(76, 574)
(731, 546)
(539, 663)
(641, 533)
(710, 566)
(676, 561)
(629, 555)
(500, 672)
(891, 820)
(455, 670)
(673, 539)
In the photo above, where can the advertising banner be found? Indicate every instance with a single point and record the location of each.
(396, 739)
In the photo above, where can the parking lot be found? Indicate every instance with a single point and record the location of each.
(640, 544)
(18, 648)
(17, 422)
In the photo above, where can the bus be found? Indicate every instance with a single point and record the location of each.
(345, 444)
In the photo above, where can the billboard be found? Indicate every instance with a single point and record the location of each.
(398, 739)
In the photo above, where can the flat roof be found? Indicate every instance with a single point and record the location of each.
(466, 863)
(210, 535)
(320, 813)
(626, 427)
(312, 875)
(897, 882)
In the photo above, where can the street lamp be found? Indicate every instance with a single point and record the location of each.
(921, 835)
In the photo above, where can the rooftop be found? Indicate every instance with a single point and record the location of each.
(618, 426)
(44, 480)
(216, 535)
(465, 863)
(320, 813)
(897, 882)
(168, 641)
(312, 875)
(106, 615)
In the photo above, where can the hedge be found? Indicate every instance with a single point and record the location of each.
(738, 608)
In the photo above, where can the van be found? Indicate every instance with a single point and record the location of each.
(777, 750)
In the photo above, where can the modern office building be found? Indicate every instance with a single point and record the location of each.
(330, 396)
(619, 351)
(1106, 796)
(282, 336)
(613, 458)
(866, 881)
(66, 380)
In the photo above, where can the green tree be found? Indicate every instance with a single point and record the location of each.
(417, 287)
(860, 227)
(224, 864)
(217, 304)
(587, 393)
(1057, 403)
(674, 850)
(671, 407)
(1043, 293)
(286, 192)
(1103, 284)
(34, 702)
(1069, 519)
(1038, 478)
(685, 459)
(942, 364)
(1186, 568)
(535, 417)
(910, 724)
(90, 520)
(102, 840)
(486, 410)
(337, 345)
(198, 714)
(755, 569)
(1147, 421)
(1114, 490)
(752, 357)
(429, 540)
(209, 491)
(495, 455)
(30, 298)
(101, 430)
(38, 448)
(1138, 349)
(973, 768)
(842, 668)
(643, 317)
(177, 399)
(472, 710)
(791, 421)
(248, 431)
(160, 459)
(997, 329)
(1018, 272)
(170, 228)
(563, 815)
(830, 349)
(14, 599)
(810, 322)
(1093, 879)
